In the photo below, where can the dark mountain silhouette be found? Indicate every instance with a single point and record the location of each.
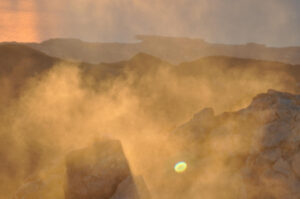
(172, 49)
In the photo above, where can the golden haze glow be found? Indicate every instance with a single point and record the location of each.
(19, 23)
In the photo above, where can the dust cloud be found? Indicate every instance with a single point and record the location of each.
(65, 109)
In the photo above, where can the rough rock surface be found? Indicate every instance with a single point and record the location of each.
(97, 172)
(132, 189)
(260, 144)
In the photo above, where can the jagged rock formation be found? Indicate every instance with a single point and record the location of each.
(274, 166)
(260, 144)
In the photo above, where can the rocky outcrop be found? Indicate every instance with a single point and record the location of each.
(97, 172)
(132, 189)
(260, 144)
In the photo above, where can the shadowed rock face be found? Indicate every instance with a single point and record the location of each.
(126, 190)
(265, 155)
(132, 188)
(96, 172)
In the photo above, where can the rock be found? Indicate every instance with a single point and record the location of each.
(97, 171)
(267, 116)
(126, 190)
(282, 166)
(205, 114)
(261, 163)
(294, 184)
(265, 136)
(283, 103)
(275, 132)
(262, 102)
(296, 164)
(295, 137)
(271, 154)
(197, 129)
(132, 189)
(142, 188)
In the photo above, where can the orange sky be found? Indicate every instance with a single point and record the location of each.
(18, 23)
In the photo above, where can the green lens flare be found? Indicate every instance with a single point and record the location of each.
(180, 167)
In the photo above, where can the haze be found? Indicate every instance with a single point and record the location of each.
(271, 22)
(185, 113)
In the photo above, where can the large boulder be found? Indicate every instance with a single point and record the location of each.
(97, 171)
(131, 188)
(100, 171)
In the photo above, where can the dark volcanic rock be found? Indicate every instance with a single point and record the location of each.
(132, 189)
(264, 137)
(126, 190)
(296, 164)
(96, 172)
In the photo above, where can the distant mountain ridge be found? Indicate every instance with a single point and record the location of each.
(172, 49)
(150, 76)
